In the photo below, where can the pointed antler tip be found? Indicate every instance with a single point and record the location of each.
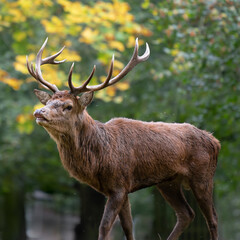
(45, 42)
(72, 66)
(136, 44)
(147, 47)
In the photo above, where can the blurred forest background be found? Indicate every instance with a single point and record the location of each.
(192, 75)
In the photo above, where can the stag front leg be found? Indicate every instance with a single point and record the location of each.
(112, 209)
(126, 219)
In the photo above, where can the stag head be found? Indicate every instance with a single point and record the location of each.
(65, 105)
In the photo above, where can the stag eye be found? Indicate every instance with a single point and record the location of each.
(68, 108)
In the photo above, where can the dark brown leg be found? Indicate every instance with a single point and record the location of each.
(203, 192)
(112, 209)
(172, 192)
(126, 220)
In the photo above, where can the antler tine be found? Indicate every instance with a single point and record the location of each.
(106, 82)
(37, 74)
(30, 68)
(82, 88)
(135, 59)
(70, 79)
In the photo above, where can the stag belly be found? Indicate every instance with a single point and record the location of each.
(145, 176)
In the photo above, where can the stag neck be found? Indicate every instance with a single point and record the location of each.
(86, 120)
(79, 146)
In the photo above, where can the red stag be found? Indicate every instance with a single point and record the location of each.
(124, 155)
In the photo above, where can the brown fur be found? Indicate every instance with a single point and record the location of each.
(124, 155)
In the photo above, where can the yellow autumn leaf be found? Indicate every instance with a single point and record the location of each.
(47, 3)
(21, 58)
(109, 36)
(68, 43)
(57, 21)
(51, 74)
(174, 52)
(21, 118)
(74, 19)
(71, 55)
(54, 26)
(102, 78)
(16, 15)
(64, 3)
(131, 41)
(20, 64)
(13, 82)
(117, 45)
(4, 23)
(88, 35)
(25, 4)
(25, 123)
(37, 106)
(3, 74)
(118, 64)
(118, 99)
(102, 95)
(116, 71)
(185, 16)
(19, 36)
(73, 30)
(111, 91)
(146, 32)
(122, 86)
(121, 8)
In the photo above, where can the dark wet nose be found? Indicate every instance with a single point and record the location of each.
(39, 113)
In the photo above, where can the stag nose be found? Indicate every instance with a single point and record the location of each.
(39, 113)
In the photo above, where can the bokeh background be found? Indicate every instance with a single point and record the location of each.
(192, 75)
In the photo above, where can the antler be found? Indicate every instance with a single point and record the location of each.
(37, 74)
(109, 81)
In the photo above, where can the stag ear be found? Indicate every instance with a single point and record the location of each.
(86, 98)
(42, 96)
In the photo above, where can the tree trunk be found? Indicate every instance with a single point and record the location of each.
(198, 229)
(163, 218)
(13, 216)
(91, 210)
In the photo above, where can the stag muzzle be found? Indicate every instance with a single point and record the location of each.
(40, 115)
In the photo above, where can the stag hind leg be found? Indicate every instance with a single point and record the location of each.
(203, 192)
(172, 192)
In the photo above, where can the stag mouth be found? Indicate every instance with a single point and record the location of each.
(40, 118)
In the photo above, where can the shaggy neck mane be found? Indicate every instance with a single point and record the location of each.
(82, 148)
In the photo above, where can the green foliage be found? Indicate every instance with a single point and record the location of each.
(202, 70)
